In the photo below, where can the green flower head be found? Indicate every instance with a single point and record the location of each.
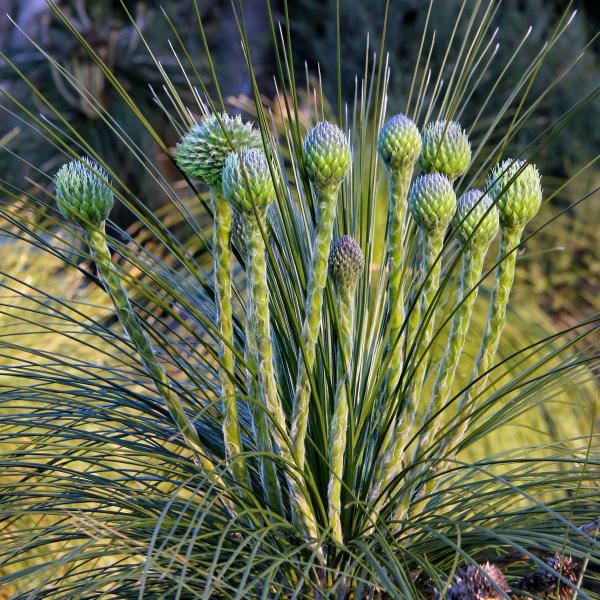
(202, 151)
(399, 143)
(446, 149)
(247, 181)
(82, 192)
(327, 155)
(517, 189)
(476, 219)
(432, 202)
(346, 262)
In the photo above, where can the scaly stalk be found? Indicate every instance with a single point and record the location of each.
(84, 197)
(399, 183)
(327, 159)
(399, 145)
(432, 203)
(248, 185)
(312, 319)
(223, 216)
(201, 153)
(96, 239)
(260, 421)
(346, 263)
(476, 225)
(505, 272)
(516, 188)
(261, 322)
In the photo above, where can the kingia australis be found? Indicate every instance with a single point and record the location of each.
(275, 456)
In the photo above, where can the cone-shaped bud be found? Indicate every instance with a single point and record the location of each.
(399, 143)
(476, 219)
(446, 149)
(202, 151)
(82, 192)
(518, 195)
(327, 155)
(473, 584)
(247, 181)
(432, 201)
(346, 262)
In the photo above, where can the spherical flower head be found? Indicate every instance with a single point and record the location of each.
(476, 219)
(247, 181)
(446, 149)
(473, 584)
(327, 155)
(432, 202)
(399, 143)
(517, 190)
(346, 262)
(82, 192)
(202, 151)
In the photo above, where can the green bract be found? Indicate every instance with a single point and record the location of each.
(82, 192)
(399, 142)
(327, 155)
(346, 262)
(247, 181)
(432, 201)
(517, 190)
(476, 219)
(202, 151)
(446, 149)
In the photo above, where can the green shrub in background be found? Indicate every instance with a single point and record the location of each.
(264, 437)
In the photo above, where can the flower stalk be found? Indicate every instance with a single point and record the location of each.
(476, 225)
(399, 146)
(84, 197)
(346, 263)
(327, 159)
(248, 185)
(201, 154)
(432, 203)
(516, 188)
(260, 421)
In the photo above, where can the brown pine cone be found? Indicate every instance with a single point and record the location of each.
(472, 584)
(544, 583)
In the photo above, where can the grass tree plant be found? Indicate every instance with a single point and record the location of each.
(300, 412)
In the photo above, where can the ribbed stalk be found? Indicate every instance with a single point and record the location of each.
(399, 183)
(472, 264)
(431, 267)
(505, 273)
(339, 419)
(96, 239)
(432, 244)
(266, 371)
(258, 405)
(312, 318)
(223, 216)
